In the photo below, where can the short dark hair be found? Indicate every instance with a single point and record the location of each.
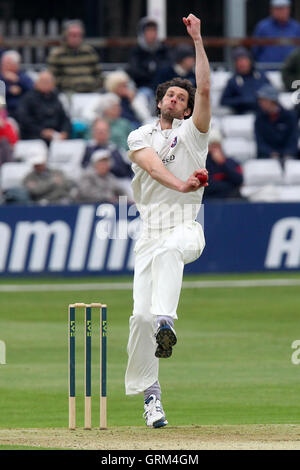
(69, 23)
(150, 24)
(181, 83)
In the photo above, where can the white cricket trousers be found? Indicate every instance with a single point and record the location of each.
(159, 264)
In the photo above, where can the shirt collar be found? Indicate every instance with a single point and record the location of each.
(176, 123)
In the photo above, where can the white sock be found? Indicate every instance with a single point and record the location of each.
(153, 390)
(164, 318)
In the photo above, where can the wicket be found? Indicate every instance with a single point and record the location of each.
(88, 364)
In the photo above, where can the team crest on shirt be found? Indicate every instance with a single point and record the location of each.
(173, 144)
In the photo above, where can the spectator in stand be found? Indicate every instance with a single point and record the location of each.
(148, 56)
(278, 25)
(120, 167)
(98, 184)
(134, 105)
(225, 175)
(45, 185)
(17, 83)
(41, 114)
(240, 91)
(108, 107)
(182, 66)
(276, 129)
(75, 64)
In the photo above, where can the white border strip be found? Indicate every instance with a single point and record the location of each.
(128, 285)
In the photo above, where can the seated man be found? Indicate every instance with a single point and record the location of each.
(75, 64)
(120, 166)
(120, 127)
(148, 56)
(45, 185)
(41, 114)
(225, 174)
(278, 25)
(98, 184)
(276, 129)
(17, 83)
(240, 91)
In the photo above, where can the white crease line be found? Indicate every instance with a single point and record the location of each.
(128, 285)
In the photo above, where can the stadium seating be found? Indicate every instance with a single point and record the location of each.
(292, 172)
(289, 194)
(263, 179)
(23, 149)
(217, 109)
(12, 174)
(66, 155)
(275, 78)
(219, 79)
(263, 193)
(66, 102)
(239, 126)
(79, 101)
(239, 148)
(262, 172)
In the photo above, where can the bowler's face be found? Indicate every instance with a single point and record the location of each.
(174, 104)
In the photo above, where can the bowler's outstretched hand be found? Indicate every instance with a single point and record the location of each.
(193, 26)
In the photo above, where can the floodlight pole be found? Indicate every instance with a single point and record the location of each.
(235, 23)
(157, 9)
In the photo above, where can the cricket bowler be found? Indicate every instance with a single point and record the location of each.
(169, 159)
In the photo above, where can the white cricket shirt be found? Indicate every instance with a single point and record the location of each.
(183, 149)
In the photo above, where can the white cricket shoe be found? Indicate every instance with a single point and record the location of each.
(154, 413)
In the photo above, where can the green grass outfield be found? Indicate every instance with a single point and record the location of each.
(232, 363)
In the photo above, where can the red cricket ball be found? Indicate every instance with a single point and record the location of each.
(202, 177)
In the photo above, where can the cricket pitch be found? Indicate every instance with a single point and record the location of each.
(225, 437)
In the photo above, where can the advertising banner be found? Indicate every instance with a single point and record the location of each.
(99, 239)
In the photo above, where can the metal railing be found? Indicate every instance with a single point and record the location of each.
(34, 40)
